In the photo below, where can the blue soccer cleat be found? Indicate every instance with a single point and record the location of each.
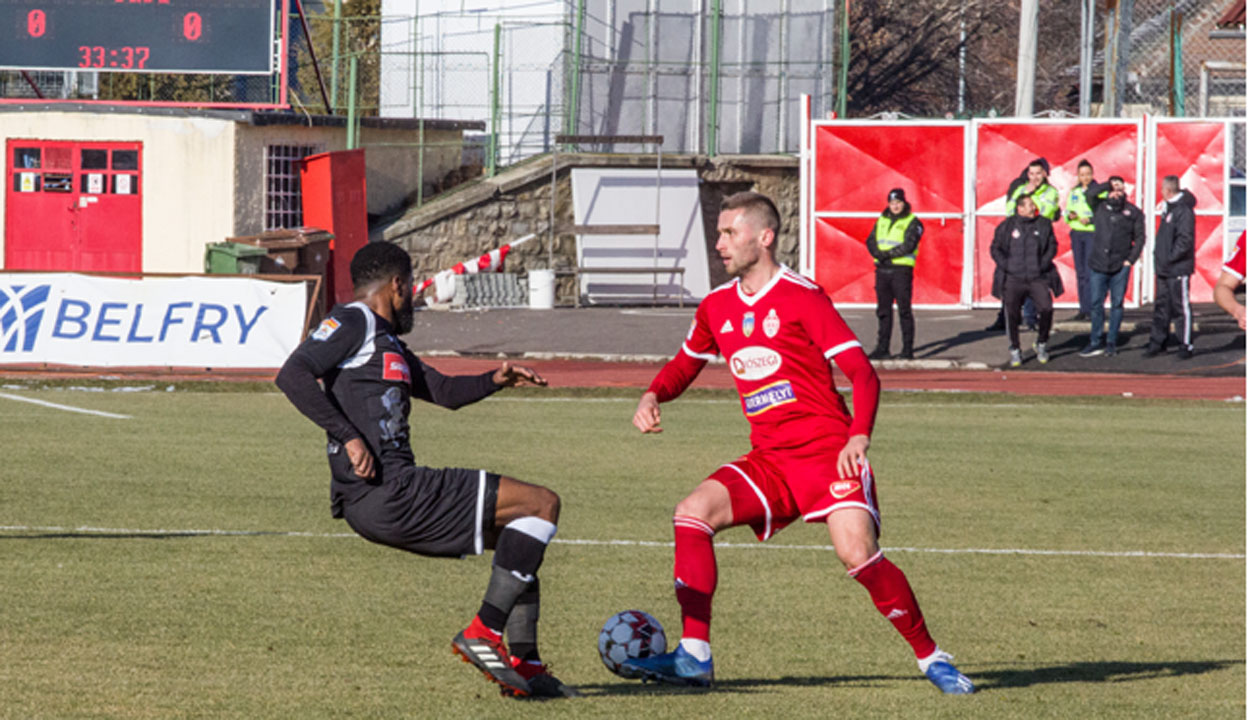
(946, 677)
(678, 668)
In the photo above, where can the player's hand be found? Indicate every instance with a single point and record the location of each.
(1239, 312)
(647, 416)
(853, 456)
(509, 375)
(360, 457)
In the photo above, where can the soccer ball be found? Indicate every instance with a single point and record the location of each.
(630, 635)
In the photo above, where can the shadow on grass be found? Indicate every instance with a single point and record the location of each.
(989, 680)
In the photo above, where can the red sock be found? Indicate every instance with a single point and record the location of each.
(479, 629)
(694, 575)
(892, 595)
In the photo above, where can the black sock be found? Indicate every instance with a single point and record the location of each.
(523, 624)
(518, 554)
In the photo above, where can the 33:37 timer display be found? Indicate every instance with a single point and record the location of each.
(125, 57)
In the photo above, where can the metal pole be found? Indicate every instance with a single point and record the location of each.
(655, 262)
(493, 156)
(1177, 99)
(575, 89)
(420, 115)
(1087, 55)
(963, 56)
(334, 55)
(1026, 58)
(844, 49)
(351, 104)
(713, 100)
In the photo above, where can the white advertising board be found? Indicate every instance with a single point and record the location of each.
(200, 322)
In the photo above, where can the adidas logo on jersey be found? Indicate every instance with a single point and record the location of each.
(895, 614)
(727, 327)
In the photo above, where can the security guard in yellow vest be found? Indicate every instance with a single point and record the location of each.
(1080, 218)
(893, 243)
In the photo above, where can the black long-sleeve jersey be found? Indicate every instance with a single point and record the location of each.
(369, 378)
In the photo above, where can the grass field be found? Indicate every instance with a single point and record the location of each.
(182, 563)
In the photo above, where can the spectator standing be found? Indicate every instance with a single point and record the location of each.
(1033, 183)
(1174, 263)
(1080, 218)
(893, 243)
(1118, 238)
(1024, 255)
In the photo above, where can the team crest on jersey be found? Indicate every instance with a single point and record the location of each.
(727, 327)
(395, 368)
(772, 323)
(325, 329)
(748, 323)
(767, 398)
(840, 489)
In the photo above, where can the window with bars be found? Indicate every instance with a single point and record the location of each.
(283, 200)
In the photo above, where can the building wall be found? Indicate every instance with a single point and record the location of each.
(187, 181)
(392, 160)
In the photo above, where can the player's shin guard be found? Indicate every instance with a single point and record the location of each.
(694, 575)
(518, 554)
(523, 625)
(892, 595)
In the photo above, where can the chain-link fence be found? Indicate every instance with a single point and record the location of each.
(1182, 61)
(713, 76)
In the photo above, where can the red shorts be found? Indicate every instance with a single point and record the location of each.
(771, 489)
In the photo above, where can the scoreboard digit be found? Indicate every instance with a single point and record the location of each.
(174, 36)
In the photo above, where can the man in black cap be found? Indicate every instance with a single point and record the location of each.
(893, 243)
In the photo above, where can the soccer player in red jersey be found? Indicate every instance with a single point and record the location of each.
(779, 333)
(1231, 275)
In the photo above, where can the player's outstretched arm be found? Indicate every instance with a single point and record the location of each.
(1224, 295)
(647, 416)
(509, 375)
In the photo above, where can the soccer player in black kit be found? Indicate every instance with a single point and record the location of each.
(369, 378)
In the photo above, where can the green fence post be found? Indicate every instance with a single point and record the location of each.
(573, 92)
(351, 104)
(845, 52)
(493, 156)
(713, 110)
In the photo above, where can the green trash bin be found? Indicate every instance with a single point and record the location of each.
(232, 258)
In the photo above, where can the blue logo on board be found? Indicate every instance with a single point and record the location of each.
(21, 312)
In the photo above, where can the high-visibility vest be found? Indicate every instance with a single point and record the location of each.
(1079, 205)
(890, 234)
(1045, 197)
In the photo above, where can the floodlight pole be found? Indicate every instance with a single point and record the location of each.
(1026, 58)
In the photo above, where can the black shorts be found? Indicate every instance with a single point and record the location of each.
(440, 512)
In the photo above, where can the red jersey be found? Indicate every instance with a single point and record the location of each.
(1236, 262)
(778, 344)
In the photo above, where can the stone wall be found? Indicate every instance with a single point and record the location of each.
(474, 220)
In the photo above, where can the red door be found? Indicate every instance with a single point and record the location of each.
(73, 206)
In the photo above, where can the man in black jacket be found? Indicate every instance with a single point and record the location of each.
(1174, 263)
(368, 379)
(892, 243)
(1024, 250)
(1119, 235)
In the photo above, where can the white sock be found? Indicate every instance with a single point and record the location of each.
(937, 655)
(700, 649)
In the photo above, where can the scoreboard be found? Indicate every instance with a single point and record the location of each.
(173, 36)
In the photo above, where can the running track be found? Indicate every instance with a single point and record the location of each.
(581, 373)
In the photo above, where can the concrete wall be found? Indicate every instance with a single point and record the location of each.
(392, 159)
(187, 187)
(453, 229)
